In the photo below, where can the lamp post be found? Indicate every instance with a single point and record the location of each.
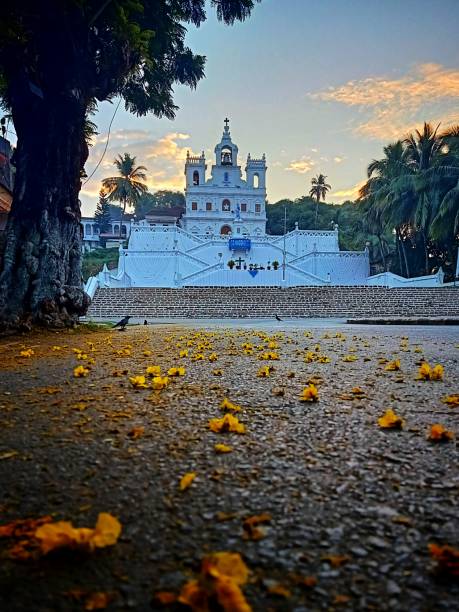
(283, 248)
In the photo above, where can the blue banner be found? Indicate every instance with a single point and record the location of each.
(239, 244)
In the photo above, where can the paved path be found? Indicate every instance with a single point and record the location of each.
(353, 507)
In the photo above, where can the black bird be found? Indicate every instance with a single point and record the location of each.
(122, 324)
(145, 322)
(278, 318)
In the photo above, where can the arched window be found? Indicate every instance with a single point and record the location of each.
(226, 177)
(243, 207)
(195, 177)
(88, 230)
(116, 229)
(227, 156)
(256, 180)
(225, 230)
(124, 230)
(226, 206)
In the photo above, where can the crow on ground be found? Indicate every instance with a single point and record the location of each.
(278, 318)
(145, 322)
(122, 324)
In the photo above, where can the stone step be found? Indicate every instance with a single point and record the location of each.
(258, 302)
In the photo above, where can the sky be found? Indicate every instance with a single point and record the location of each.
(316, 85)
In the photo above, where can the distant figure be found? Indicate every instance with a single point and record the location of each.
(145, 322)
(278, 318)
(122, 324)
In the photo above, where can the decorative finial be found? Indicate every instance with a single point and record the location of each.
(226, 122)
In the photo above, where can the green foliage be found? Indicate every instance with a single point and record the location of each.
(102, 215)
(94, 261)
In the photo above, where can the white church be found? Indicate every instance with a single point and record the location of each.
(221, 240)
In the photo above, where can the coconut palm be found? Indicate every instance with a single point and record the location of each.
(318, 191)
(128, 187)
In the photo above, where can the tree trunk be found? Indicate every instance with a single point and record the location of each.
(381, 250)
(41, 282)
(123, 212)
(405, 258)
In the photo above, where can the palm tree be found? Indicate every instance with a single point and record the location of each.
(128, 187)
(319, 191)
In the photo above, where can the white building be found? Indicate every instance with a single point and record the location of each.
(221, 240)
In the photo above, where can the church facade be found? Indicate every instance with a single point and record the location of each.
(221, 240)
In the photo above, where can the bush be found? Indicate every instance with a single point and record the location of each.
(94, 261)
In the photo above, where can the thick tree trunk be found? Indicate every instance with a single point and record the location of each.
(41, 282)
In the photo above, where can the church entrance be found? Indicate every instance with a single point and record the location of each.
(225, 230)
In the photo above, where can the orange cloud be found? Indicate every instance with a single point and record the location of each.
(391, 107)
(303, 165)
(349, 193)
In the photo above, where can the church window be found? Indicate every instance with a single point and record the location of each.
(88, 230)
(256, 180)
(208, 205)
(226, 177)
(243, 207)
(116, 229)
(257, 208)
(225, 230)
(195, 177)
(124, 230)
(194, 206)
(226, 205)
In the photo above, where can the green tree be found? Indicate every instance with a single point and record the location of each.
(102, 215)
(128, 187)
(160, 199)
(318, 191)
(57, 61)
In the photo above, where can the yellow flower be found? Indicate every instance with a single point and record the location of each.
(223, 448)
(217, 372)
(309, 357)
(80, 371)
(183, 353)
(393, 365)
(226, 423)
(226, 404)
(323, 359)
(138, 382)
(81, 356)
(309, 394)
(269, 356)
(264, 372)
(63, 534)
(27, 353)
(390, 420)
(57, 348)
(176, 371)
(273, 344)
(451, 400)
(186, 480)
(439, 434)
(154, 370)
(425, 372)
(198, 357)
(147, 353)
(160, 382)
(350, 358)
(213, 357)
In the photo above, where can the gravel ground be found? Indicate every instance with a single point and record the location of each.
(352, 506)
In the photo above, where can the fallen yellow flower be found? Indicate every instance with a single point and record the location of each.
(213, 357)
(176, 371)
(80, 371)
(269, 356)
(226, 404)
(390, 420)
(223, 448)
(154, 370)
(348, 358)
(27, 353)
(183, 353)
(160, 382)
(217, 372)
(451, 400)
(64, 535)
(138, 382)
(425, 372)
(264, 372)
(226, 423)
(186, 480)
(393, 365)
(438, 433)
(309, 394)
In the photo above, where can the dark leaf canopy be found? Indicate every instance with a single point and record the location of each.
(99, 49)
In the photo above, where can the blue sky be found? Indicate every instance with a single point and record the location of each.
(317, 85)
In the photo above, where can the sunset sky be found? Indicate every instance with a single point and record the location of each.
(317, 85)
